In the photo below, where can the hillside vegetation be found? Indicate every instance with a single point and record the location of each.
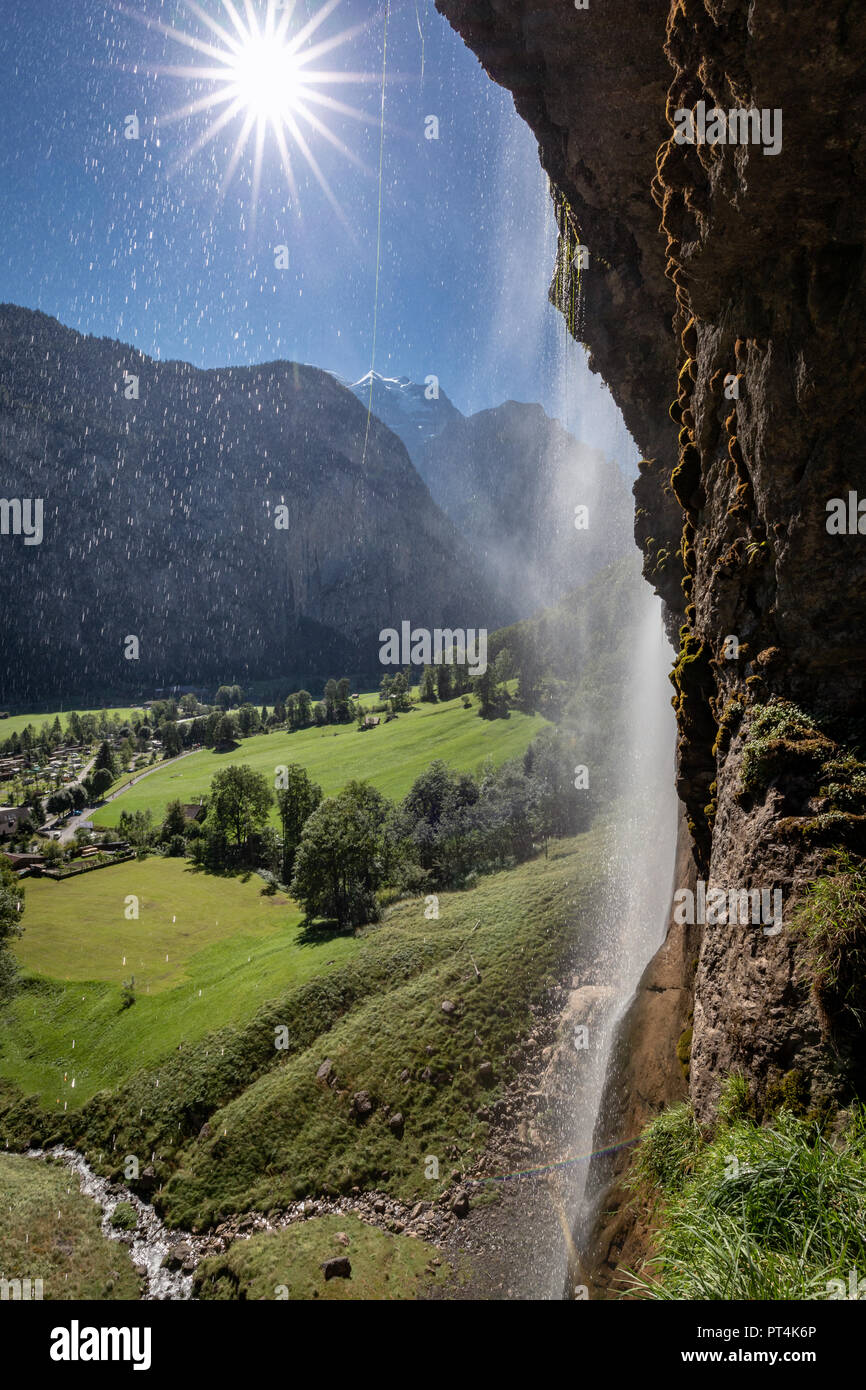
(50, 1231)
(275, 1132)
(390, 756)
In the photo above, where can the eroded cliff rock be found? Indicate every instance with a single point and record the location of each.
(724, 305)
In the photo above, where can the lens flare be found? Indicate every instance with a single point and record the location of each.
(261, 75)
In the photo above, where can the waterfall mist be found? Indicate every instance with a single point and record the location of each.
(620, 936)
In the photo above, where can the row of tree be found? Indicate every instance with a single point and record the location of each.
(336, 854)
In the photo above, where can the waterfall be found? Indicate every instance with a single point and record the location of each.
(631, 921)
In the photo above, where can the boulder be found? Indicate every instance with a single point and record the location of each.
(460, 1203)
(395, 1124)
(180, 1256)
(325, 1074)
(337, 1268)
(362, 1105)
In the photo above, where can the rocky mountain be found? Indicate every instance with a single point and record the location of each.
(415, 412)
(228, 520)
(512, 479)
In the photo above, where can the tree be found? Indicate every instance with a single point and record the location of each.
(399, 693)
(344, 706)
(11, 903)
(169, 735)
(225, 731)
(175, 821)
(443, 681)
(344, 856)
(428, 685)
(100, 781)
(248, 720)
(137, 828)
(223, 697)
(305, 708)
(105, 759)
(240, 800)
(531, 672)
(189, 704)
(330, 700)
(296, 802)
(60, 802)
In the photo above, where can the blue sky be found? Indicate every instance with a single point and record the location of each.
(120, 238)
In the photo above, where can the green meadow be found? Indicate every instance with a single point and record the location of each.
(372, 1003)
(204, 951)
(50, 1231)
(18, 722)
(390, 756)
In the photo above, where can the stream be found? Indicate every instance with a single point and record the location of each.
(148, 1244)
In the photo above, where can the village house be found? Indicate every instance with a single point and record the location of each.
(11, 817)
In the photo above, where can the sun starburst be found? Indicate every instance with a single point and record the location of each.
(263, 74)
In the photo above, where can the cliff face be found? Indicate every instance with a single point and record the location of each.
(161, 522)
(724, 305)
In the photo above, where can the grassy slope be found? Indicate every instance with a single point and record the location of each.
(16, 722)
(229, 942)
(276, 1134)
(264, 1267)
(49, 1231)
(391, 756)
(284, 1135)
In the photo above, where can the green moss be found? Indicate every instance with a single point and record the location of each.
(781, 738)
(830, 925)
(790, 1091)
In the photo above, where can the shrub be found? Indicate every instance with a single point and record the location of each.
(124, 1217)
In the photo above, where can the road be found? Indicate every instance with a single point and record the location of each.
(69, 829)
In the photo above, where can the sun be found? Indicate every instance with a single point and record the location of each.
(266, 78)
(257, 69)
